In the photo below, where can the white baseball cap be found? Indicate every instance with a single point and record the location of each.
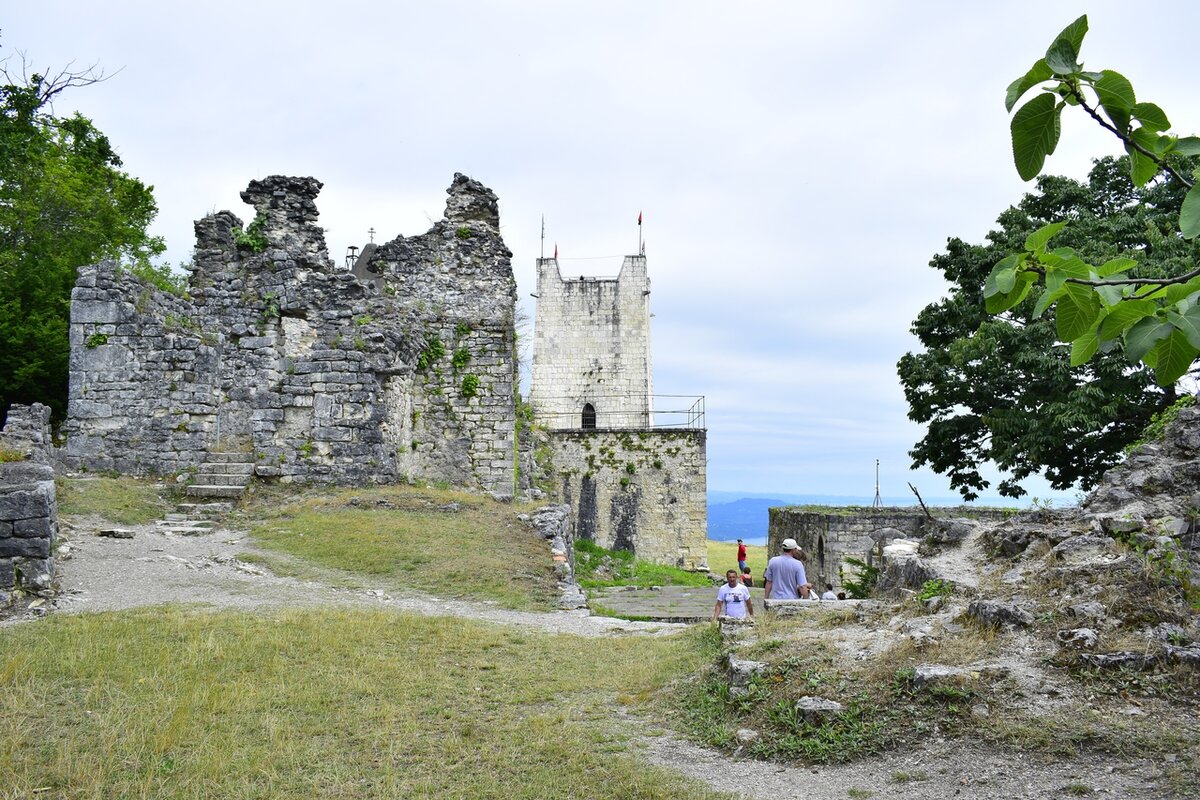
(790, 544)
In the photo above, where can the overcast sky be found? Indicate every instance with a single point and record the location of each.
(797, 163)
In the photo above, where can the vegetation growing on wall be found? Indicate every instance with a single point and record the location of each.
(253, 237)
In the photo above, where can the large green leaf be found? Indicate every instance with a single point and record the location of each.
(1116, 97)
(1188, 146)
(1037, 73)
(1074, 33)
(1177, 291)
(1050, 295)
(1037, 240)
(1114, 266)
(1188, 323)
(1063, 57)
(1115, 91)
(1141, 168)
(1189, 213)
(1076, 312)
(1122, 316)
(1151, 116)
(1172, 357)
(1140, 338)
(1110, 295)
(1035, 130)
(1002, 277)
(997, 303)
(1084, 348)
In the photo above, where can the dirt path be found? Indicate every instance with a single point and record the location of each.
(105, 574)
(152, 568)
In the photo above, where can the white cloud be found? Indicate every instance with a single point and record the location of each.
(798, 164)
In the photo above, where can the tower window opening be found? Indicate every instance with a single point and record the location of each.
(589, 417)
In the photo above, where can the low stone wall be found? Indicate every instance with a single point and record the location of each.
(642, 491)
(28, 506)
(556, 525)
(830, 534)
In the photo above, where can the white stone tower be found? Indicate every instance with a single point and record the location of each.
(591, 349)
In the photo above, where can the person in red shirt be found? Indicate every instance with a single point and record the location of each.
(741, 556)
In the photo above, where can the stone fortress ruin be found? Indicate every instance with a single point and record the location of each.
(401, 368)
(636, 478)
(316, 374)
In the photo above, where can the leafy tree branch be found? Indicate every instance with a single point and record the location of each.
(1154, 319)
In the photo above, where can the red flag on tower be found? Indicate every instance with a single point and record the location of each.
(639, 218)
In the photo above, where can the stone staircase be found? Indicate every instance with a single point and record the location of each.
(223, 475)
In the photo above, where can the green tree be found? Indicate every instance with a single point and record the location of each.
(64, 203)
(1099, 307)
(999, 388)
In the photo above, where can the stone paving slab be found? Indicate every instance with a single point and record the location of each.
(665, 604)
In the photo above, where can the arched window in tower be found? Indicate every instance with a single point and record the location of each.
(589, 417)
(821, 554)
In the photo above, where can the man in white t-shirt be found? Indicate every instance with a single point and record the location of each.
(733, 599)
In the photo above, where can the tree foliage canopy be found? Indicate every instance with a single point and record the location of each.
(1000, 388)
(64, 203)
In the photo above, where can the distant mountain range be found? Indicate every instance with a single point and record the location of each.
(743, 515)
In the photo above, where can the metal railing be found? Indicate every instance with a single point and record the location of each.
(620, 412)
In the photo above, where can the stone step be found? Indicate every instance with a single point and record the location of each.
(210, 490)
(209, 479)
(203, 509)
(230, 458)
(175, 519)
(227, 468)
(184, 529)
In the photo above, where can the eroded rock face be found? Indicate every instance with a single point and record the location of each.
(996, 614)
(1157, 481)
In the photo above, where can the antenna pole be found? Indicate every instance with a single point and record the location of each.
(878, 500)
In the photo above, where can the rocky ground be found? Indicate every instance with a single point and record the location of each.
(100, 573)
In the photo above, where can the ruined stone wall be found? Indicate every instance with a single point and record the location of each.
(592, 345)
(829, 535)
(637, 490)
(322, 376)
(28, 503)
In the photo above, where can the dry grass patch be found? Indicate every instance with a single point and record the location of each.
(172, 703)
(122, 501)
(447, 543)
(723, 556)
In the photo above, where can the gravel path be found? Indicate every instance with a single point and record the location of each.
(152, 568)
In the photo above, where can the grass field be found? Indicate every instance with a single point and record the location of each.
(122, 501)
(723, 556)
(175, 703)
(447, 543)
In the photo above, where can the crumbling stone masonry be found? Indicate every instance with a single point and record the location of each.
(28, 505)
(406, 372)
(637, 490)
(828, 535)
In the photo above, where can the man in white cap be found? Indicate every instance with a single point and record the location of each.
(785, 578)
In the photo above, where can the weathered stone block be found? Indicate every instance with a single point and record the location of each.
(14, 547)
(23, 504)
(31, 528)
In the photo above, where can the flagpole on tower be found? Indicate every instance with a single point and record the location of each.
(641, 245)
(542, 252)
